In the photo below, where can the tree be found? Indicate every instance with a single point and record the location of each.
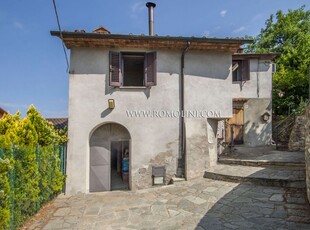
(289, 35)
(29, 131)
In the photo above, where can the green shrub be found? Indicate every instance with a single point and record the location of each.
(30, 172)
(5, 168)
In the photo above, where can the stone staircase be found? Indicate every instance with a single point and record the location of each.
(262, 165)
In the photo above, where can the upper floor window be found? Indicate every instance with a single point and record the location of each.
(132, 69)
(240, 70)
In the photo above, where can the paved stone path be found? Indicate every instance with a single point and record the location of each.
(197, 204)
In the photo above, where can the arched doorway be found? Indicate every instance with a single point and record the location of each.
(109, 158)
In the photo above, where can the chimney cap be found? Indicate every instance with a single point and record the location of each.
(150, 4)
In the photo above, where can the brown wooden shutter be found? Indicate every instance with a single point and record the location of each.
(150, 69)
(245, 70)
(115, 72)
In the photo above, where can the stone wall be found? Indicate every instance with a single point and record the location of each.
(297, 137)
(307, 150)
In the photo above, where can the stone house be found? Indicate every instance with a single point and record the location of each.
(252, 100)
(144, 109)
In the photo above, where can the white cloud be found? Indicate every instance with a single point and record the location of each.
(137, 7)
(257, 17)
(18, 25)
(240, 29)
(52, 113)
(223, 13)
(13, 105)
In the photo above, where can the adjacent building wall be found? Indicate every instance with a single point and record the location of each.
(154, 140)
(256, 130)
(258, 91)
(260, 83)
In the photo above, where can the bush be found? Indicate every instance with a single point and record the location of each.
(5, 168)
(30, 173)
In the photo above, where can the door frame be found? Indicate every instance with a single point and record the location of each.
(110, 156)
(239, 106)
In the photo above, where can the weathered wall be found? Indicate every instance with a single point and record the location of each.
(201, 146)
(297, 136)
(154, 140)
(258, 91)
(256, 131)
(260, 83)
(307, 150)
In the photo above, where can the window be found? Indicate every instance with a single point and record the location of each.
(240, 70)
(132, 69)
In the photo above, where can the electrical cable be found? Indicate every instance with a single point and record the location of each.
(61, 37)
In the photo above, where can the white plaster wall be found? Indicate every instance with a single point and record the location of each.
(152, 138)
(256, 131)
(260, 83)
(208, 82)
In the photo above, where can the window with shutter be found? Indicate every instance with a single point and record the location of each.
(115, 70)
(132, 69)
(240, 70)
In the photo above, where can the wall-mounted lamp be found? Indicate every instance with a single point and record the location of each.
(111, 103)
(266, 116)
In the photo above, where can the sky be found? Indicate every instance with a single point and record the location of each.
(33, 67)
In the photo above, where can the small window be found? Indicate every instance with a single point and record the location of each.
(132, 69)
(240, 70)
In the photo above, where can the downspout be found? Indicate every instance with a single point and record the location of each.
(181, 161)
(257, 78)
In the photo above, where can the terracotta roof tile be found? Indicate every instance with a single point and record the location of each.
(59, 123)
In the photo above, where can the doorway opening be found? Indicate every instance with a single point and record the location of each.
(108, 145)
(234, 130)
(120, 165)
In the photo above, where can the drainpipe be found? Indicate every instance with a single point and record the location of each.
(181, 161)
(257, 78)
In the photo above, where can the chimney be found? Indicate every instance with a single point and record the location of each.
(151, 7)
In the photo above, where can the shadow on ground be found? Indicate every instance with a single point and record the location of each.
(249, 206)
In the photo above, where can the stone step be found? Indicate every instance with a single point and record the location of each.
(262, 163)
(284, 177)
(176, 180)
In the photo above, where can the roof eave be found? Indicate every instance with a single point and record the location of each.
(268, 56)
(78, 39)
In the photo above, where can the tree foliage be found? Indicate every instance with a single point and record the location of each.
(29, 131)
(287, 34)
(5, 168)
